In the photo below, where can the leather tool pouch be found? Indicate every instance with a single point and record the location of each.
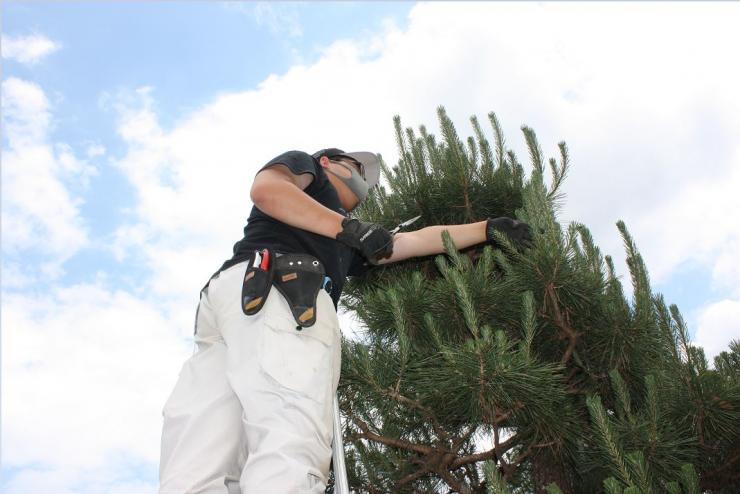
(256, 285)
(299, 278)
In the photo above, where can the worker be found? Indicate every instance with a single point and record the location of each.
(251, 411)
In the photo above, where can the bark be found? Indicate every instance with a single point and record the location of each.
(548, 467)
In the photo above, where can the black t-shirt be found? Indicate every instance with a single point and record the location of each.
(263, 231)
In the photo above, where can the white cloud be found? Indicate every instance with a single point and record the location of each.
(86, 372)
(644, 117)
(13, 276)
(26, 113)
(279, 18)
(39, 213)
(111, 478)
(95, 150)
(27, 50)
(718, 324)
(651, 124)
(701, 223)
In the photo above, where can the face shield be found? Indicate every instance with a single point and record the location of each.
(362, 177)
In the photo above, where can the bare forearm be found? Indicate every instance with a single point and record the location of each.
(287, 203)
(428, 240)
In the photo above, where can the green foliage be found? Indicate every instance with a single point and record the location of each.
(689, 482)
(499, 370)
(495, 483)
(728, 363)
(553, 489)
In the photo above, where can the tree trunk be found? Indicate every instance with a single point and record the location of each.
(547, 468)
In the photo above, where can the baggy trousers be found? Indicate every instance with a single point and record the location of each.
(252, 408)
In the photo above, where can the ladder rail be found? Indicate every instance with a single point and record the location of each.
(341, 486)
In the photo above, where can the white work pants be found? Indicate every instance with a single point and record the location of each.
(252, 409)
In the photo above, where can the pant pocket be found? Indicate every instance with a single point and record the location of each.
(300, 361)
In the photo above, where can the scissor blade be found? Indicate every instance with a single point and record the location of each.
(404, 224)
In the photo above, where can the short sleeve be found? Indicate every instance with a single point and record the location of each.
(297, 161)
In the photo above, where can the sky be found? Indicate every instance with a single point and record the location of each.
(131, 133)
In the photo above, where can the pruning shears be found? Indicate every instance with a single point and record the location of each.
(404, 224)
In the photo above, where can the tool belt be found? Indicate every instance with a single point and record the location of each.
(299, 277)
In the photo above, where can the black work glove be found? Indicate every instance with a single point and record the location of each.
(518, 232)
(371, 239)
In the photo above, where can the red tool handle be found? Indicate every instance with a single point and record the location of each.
(265, 259)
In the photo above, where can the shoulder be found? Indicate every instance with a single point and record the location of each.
(298, 166)
(297, 161)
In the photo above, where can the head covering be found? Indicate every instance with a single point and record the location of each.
(369, 165)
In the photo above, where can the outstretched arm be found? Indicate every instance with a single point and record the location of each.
(428, 241)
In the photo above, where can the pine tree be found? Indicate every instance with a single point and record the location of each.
(501, 370)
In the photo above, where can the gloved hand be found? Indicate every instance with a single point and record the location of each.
(371, 239)
(519, 232)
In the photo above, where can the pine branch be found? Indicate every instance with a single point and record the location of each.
(389, 441)
(638, 466)
(623, 396)
(434, 371)
(562, 321)
(414, 404)
(689, 479)
(535, 153)
(529, 322)
(693, 381)
(473, 150)
(510, 467)
(457, 444)
(652, 405)
(608, 437)
(412, 477)
(402, 333)
(558, 173)
(673, 488)
(457, 485)
(495, 452)
(485, 149)
(495, 483)
(611, 486)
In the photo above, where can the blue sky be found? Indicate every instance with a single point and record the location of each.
(131, 132)
(188, 51)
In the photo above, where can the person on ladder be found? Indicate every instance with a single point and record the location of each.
(251, 411)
